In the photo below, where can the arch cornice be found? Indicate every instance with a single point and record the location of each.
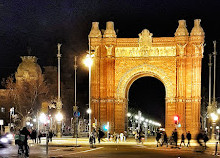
(144, 70)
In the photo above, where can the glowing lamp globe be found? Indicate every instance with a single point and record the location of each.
(88, 61)
(42, 118)
(59, 117)
(89, 111)
(214, 116)
(129, 114)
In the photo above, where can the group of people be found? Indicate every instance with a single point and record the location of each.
(162, 138)
(95, 134)
(32, 134)
(99, 134)
(116, 137)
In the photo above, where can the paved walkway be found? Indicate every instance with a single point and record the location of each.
(150, 144)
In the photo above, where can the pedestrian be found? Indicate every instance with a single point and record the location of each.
(158, 136)
(182, 139)
(199, 137)
(34, 135)
(189, 137)
(141, 136)
(39, 136)
(25, 132)
(50, 135)
(125, 135)
(91, 140)
(205, 139)
(121, 136)
(109, 136)
(115, 137)
(175, 136)
(100, 135)
(136, 137)
(165, 139)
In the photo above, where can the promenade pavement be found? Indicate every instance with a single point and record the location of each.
(149, 144)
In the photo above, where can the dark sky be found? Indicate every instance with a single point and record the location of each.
(41, 24)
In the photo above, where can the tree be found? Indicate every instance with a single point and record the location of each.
(26, 95)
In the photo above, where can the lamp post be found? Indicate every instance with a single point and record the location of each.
(214, 118)
(75, 107)
(59, 102)
(89, 112)
(139, 120)
(128, 120)
(88, 62)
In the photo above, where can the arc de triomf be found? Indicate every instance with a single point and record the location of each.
(175, 61)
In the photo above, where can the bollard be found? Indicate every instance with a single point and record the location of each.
(216, 148)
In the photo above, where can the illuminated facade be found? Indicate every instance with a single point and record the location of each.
(175, 61)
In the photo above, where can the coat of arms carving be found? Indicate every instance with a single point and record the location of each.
(145, 40)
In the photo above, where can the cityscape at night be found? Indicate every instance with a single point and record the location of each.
(109, 78)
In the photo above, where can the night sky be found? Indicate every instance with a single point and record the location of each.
(41, 24)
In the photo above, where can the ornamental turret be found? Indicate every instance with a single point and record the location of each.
(197, 29)
(182, 30)
(109, 32)
(95, 32)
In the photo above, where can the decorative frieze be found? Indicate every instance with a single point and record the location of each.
(151, 51)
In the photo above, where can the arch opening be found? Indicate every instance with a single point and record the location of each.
(147, 94)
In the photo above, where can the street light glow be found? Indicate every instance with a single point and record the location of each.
(218, 111)
(42, 118)
(88, 60)
(89, 111)
(59, 117)
(129, 114)
(136, 117)
(214, 116)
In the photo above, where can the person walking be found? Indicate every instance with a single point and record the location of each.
(165, 139)
(34, 135)
(26, 133)
(158, 136)
(91, 140)
(189, 137)
(50, 135)
(199, 137)
(39, 136)
(205, 139)
(182, 139)
(175, 136)
(125, 135)
(121, 136)
(100, 135)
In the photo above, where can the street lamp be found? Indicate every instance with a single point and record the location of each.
(59, 102)
(42, 118)
(214, 118)
(89, 111)
(88, 62)
(59, 117)
(129, 114)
